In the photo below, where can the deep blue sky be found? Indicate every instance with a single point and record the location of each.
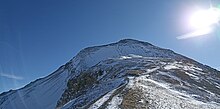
(38, 36)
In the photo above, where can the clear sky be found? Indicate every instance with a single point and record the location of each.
(38, 36)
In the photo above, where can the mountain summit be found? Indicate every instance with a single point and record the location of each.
(128, 74)
(92, 55)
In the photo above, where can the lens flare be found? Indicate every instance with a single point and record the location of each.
(196, 33)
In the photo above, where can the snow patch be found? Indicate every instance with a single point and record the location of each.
(169, 67)
(192, 75)
(115, 102)
(152, 70)
(125, 57)
(98, 103)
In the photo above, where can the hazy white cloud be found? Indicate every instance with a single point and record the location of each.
(11, 76)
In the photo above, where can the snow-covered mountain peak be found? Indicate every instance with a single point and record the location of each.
(132, 41)
(92, 55)
(128, 40)
(127, 74)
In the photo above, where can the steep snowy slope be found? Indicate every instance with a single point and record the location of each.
(40, 94)
(127, 74)
(143, 82)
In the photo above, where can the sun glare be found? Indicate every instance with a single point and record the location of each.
(205, 18)
(203, 21)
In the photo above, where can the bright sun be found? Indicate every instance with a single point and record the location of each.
(203, 21)
(205, 18)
